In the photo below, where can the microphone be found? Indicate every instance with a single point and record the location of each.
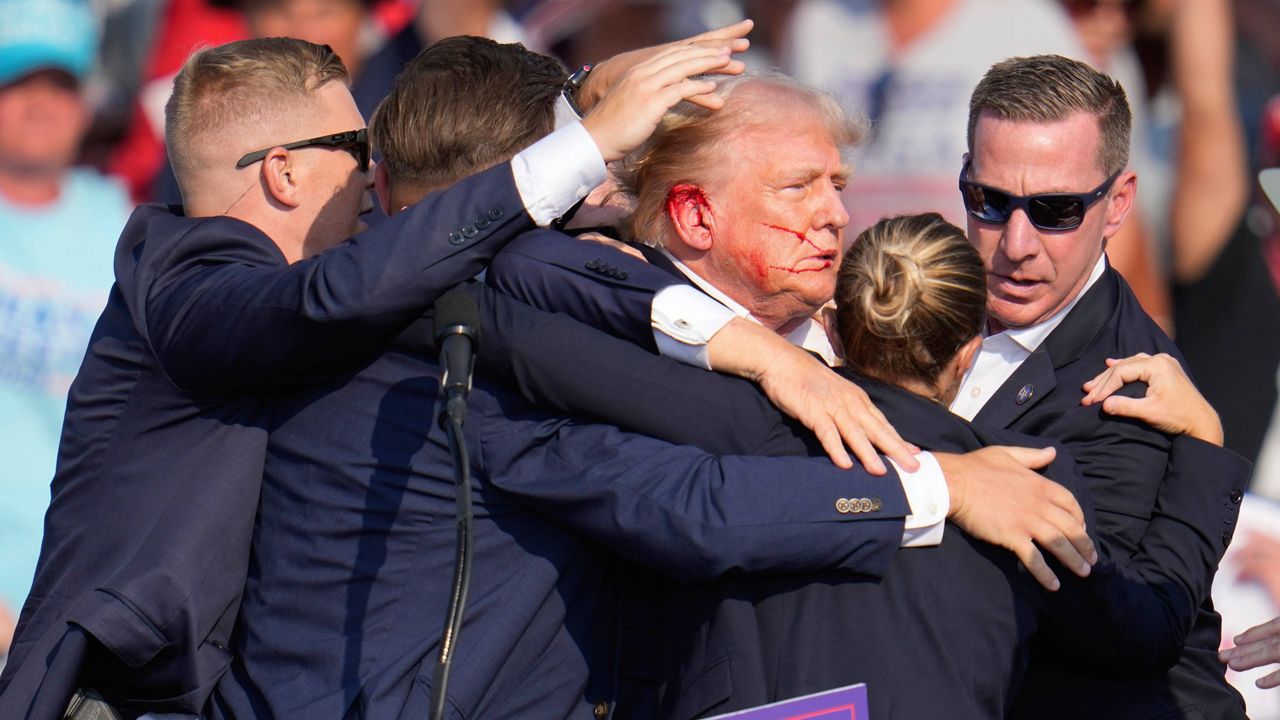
(458, 336)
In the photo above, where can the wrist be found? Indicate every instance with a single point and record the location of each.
(579, 90)
(952, 465)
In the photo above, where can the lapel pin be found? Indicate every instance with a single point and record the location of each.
(1025, 394)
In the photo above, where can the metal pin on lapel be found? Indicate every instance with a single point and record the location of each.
(1025, 394)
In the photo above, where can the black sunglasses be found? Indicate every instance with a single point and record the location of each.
(355, 142)
(1048, 211)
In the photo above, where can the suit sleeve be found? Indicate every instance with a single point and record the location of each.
(1134, 612)
(223, 312)
(592, 282)
(690, 515)
(565, 366)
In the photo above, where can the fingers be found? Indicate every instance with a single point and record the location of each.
(1039, 569)
(885, 438)
(1030, 458)
(1247, 657)
(1119, 372)
(1067, 541)
(1269, 680)
(833, 443)
(1124, 406)
(736, 30)
(1269, 629)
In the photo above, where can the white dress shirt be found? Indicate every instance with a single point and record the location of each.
(684, 319)
(1004, 352)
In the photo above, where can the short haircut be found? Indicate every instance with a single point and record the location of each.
(240, 84)
(462, 105)
(689, 145)
(910, 293)
(1050, 88)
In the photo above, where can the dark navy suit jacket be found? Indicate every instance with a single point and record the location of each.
(1186, 511)
(355, 540)
(1127, 466)
(147, 535)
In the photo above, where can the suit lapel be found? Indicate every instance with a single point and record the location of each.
(1035, 378)
(1027, 386)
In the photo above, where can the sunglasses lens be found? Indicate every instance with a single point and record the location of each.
(1050, 213)
(985, 204)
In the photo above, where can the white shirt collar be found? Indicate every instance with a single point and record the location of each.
(809, 335)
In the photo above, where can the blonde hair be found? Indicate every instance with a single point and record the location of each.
(689, 145)
(238, 85)
(910, 292)
(1050, 88)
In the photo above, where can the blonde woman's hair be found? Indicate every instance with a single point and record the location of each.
(241, 84)
(910, 292)
(689, 144)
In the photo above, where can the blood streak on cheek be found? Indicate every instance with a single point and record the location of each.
(799, 235)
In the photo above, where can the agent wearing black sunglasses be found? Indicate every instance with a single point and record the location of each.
(1046, 186)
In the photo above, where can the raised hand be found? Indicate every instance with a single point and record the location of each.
(607, 73)
(997, 497)
(633, 107)
(1172, 403)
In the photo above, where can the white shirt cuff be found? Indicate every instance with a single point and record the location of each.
(683, 320)
(926, 491)
(564, 112)
(557, 171)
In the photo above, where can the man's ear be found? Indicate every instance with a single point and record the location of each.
(382, 188)
(282, 177)
(965, 355)
(690, 214)
(1120, 203)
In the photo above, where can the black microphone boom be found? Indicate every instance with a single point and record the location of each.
(458, 335)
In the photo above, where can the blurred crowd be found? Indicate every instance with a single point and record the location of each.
(83, 87)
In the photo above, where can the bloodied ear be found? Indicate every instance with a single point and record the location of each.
(690, 214)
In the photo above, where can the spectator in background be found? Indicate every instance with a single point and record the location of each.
(911, 67)
(60, 225)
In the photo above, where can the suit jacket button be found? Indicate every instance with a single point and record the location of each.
(482, 222)
(842, 505)
(601, 710)
(1236, 496)
(469, 231)
(865, 504)
(455, 238)
(495, 213)
(1226, 538)
(877, 504)
(622, 274)
(593, 264)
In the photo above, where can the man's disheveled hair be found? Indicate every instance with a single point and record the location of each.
(910, 292)
(462, 105)
(1050, 88)
(689, 145)
(240, 84)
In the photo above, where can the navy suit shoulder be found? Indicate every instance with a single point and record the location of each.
(147, 534)
(596, 283)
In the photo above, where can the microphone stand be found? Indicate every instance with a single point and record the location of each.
(455, 389)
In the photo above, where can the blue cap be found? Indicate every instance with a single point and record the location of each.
(38, 34)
